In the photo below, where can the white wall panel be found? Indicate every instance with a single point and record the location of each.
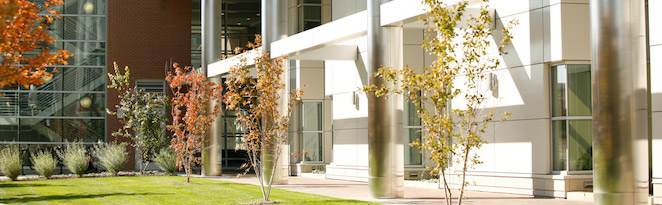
(522, 146)
(523, 91)
(657, 145)
(655, 18)
(576, 30)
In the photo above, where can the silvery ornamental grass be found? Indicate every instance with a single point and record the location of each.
(44, 163)
(167, 159)
(112, 156)
(75, 157)
(10, 161)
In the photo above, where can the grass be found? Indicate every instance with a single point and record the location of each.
(147, 190)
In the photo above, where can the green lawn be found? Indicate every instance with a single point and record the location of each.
(147, 190)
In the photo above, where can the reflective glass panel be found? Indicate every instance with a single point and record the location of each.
(84, 104)
(8, 129)
(413, 155)
(312, 146)
(580, 144)
(559, 145)
(86, 53)
(310, 16)
(311, 116)
(559, 80)
(72, 79)
(40, 104)
(78, 28)
(9, 104)
(579, 90)
(60, 130)
(411, 116)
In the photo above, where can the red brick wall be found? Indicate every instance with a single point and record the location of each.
(145, 35)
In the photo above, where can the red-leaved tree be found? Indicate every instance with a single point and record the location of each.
(24, 42)
(257, 100)
(190, 116)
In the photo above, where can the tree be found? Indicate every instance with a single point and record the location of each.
(142, 115)
(25, 44)
(190, 117)
(256, 102)
(462, 44)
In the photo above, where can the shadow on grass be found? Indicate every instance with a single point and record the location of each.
(333, 201)
(15, 185)
(53, 198)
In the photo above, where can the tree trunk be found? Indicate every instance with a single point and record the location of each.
(464, 174)
(447, 189)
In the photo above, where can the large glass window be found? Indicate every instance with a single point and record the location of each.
(572, 134)
(309, 14)
(310, 126)
(71, 104)
(412, 133)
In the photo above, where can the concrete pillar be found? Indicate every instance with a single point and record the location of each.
(270, 32)
(211, 52)
(620, 115)
(385, 152)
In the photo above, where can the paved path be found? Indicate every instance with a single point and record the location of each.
(359, 191)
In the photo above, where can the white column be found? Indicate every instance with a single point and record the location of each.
(211, 52)
(385, 151)
(620, 102)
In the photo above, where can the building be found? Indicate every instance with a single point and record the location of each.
(544, 149)
(144, 35)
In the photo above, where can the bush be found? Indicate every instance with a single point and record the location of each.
(75, 157)
(167, 160)
(10, 162)
(112, 156)
(44, 163)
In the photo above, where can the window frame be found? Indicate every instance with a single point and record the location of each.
(565, 118)
(300, 8)
(406, 128)
(300, 130)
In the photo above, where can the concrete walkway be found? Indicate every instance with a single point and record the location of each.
(359, 191)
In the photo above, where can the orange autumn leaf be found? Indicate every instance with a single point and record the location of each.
(24, 43)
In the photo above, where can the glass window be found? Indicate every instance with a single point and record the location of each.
(86, 53)
(310, 127)
(71, 104)
(412, 133)
(40, 104)
(61, 130)
(312, 146)
(8, 129)
(73, 79)
(309, 14)
(79, 7)
(9, 104)
(572, 131)
(84, 104)
(78, 28)
(413, 155)
(311, 116)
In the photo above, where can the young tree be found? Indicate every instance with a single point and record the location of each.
(190, 117)
(462, 44)
(256, 102)
(143, 116)
(25, 44)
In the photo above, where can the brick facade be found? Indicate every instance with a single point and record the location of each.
(145, 35)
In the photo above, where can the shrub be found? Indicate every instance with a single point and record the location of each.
(10, 162)
(44, 163)
(112, 156)
(167, 160)
(75, 157)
